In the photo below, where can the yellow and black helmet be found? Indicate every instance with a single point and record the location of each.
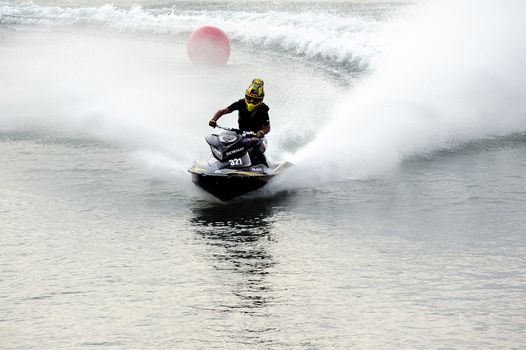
(254, 94)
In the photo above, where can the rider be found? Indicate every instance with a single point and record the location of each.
(253, 116)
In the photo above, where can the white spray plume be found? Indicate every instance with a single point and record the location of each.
(451, 72)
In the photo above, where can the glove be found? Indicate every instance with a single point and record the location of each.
(260, 134)
(212, 123)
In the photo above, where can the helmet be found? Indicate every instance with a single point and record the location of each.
(254, 94)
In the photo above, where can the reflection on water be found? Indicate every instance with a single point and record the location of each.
(238, 242)
(238, 237)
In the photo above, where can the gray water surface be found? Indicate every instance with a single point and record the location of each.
(98, 253)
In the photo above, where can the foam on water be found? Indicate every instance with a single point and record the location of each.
(339, 39)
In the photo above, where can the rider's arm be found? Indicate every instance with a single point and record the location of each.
(261, 133)
(266, 129)
(265, 123)
(220, 112)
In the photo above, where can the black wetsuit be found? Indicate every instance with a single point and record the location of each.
(254, 121)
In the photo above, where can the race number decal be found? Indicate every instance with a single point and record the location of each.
(236, 161)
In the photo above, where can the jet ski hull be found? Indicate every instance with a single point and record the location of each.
(227, 187)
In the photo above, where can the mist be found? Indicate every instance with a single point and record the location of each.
(141, 91)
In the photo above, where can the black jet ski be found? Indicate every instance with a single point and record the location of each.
(235, 167)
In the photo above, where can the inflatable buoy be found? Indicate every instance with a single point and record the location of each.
(208, 46)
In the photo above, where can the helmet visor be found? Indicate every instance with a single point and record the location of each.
(253, 100)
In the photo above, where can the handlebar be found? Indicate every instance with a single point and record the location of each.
(237, 131)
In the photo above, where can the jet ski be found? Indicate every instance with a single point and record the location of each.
(235, 167)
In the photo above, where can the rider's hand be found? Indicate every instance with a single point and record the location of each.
(212, 123)
(260, 134)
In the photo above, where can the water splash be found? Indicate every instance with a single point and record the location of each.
(450, 73)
